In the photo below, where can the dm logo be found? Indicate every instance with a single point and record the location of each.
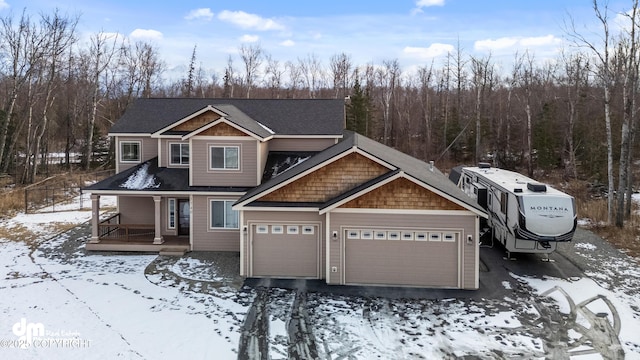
(26, 331)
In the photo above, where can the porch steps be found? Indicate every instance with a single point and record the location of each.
(175, 251)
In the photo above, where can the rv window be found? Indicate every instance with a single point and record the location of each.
(503, 202)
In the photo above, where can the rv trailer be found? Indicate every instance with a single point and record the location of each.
(525, 216)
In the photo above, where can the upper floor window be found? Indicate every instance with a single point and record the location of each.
(179, 154)
(130, 151)
(224, 157)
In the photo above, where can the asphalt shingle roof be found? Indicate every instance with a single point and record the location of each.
(415, 168)
(282, 116)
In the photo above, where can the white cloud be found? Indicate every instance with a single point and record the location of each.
(146, 34)
(425, 3)
(202, 13)
(497, 44)
(432, 51)
(249, 21)
(513, 42)
(249, 38)
(288, 43)
(4, 5)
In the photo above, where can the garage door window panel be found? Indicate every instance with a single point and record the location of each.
(308, 230)
(393, 235)
(435, 237)
(277, 229)
(380, 235)
(293, 229)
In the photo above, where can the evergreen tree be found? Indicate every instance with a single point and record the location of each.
(359, 110)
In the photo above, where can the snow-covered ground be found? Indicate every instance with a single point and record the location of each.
(63, 303)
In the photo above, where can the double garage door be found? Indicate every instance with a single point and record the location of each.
(402, 257)
(285, 250)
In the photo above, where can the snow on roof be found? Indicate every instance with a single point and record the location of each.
(266, 128)
(141, 179)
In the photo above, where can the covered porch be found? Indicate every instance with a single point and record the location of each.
(119, 233)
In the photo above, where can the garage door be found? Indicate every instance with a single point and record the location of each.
(402, 257)
(286, 251)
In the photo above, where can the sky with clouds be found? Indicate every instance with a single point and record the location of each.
(415, 32)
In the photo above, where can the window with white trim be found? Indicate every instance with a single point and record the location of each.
(222, 215)
(449, 237)
(435, 236)
(130, 151)
(393, 235)
(407, 235)
(366, 234)
(293, 229)
(353, 234)
(224, 157)
(171, 212)
(178, 154)
(380, 235)
(262, 229)
(308, 230)
(277, 229)
(421, 236)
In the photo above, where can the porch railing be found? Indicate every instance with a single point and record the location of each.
(110, 228)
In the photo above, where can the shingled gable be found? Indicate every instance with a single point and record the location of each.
(283, 117)
(400, 165)
(228, 114)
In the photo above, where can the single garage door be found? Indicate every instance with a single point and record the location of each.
(286, 251)
(402, 257)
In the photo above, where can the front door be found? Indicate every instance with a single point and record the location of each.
(184, 216)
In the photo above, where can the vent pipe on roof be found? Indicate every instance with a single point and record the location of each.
(431, 165)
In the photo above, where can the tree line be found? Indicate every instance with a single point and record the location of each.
(577, 113)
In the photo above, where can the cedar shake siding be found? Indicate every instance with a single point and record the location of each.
(202, 175)
(329, 181)
(292, 144)
(204, 238)
(197, 122)
(460, 223)
(222, 129)
(148, 150)
(402, 194)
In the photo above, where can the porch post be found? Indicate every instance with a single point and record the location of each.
(158, 229)
(95, 218)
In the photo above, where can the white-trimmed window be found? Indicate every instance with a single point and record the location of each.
(224, 157)
(130, 151)
(171, 213)
(222, 215)
(407, 235)
(308, 230)
(262, 229)
(353, 234)
(421, 236)
(449, 237)
(380, 235)
(366, 234)
(178, 153)
(393, 235)
(293, 229)
(435, 236)
(277, 229)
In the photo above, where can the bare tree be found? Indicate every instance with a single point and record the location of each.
(604, 73)
(482, 74)
(273, 76)
(21, 49)
(341, 68)
(312, 73)
(102, 50)
(252, 58)
(629, 52)
(387, 78)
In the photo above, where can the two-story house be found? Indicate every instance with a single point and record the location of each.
(282, 183)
